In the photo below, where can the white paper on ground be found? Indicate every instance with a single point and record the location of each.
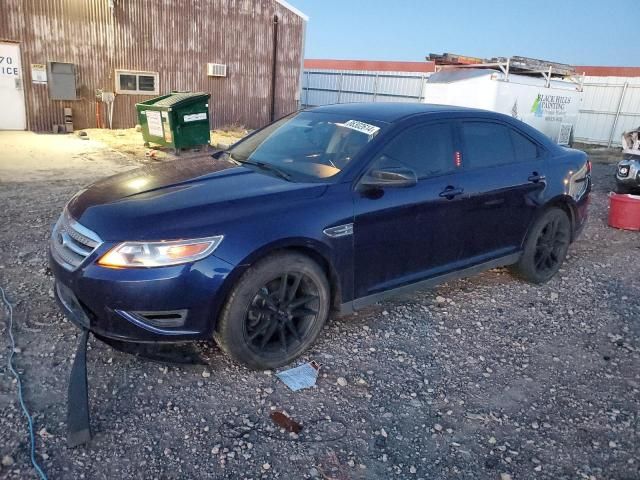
(297, 378)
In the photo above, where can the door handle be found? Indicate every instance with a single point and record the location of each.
(451, 192)
(535, 177)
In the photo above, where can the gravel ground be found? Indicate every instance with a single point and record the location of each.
(486, 377)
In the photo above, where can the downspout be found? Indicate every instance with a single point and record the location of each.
(112, 7)
(304, 42)
(273, 68)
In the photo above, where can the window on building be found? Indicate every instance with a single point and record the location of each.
(131, 82)
(146, 83)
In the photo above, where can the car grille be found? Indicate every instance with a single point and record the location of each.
(71, 243)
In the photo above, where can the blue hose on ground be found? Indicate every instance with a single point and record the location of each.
(19, 382)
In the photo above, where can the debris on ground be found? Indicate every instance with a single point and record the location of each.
(298, 378)
(225, 137)
(285, 422)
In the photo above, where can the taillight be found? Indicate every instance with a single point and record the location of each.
(588, 166)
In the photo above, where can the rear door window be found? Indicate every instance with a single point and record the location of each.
(487, 144)
(525, 149)
(426, 149)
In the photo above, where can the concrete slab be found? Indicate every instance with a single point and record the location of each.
(29, 156)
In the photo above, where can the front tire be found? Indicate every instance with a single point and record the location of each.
(545, 247)
(275, 311)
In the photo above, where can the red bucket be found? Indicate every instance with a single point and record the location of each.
(624, 211)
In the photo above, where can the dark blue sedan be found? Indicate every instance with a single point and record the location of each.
(330, 208)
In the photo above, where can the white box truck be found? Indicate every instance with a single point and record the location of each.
(547, 103)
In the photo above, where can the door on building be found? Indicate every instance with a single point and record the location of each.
(12, 111)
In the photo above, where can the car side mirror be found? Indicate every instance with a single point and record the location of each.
(396, 177)
(217, 153)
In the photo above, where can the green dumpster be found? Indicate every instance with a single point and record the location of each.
(178, 120)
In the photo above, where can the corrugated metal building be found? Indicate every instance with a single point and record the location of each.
(140, 48)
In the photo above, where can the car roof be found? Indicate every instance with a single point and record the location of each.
(389, 111)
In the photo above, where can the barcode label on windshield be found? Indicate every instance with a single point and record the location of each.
(361, 127)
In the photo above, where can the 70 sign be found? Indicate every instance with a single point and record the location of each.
(6, 66)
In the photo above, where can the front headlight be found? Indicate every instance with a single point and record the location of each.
(159, 254)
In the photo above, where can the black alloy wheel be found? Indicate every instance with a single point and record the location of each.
(275, 311)
(551, 246)
(546, 247)
(281, 313)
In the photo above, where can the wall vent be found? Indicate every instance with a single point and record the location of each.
(216, 70)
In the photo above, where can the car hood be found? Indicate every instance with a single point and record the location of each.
(181, 199)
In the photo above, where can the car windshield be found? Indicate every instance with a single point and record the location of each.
(307, 146)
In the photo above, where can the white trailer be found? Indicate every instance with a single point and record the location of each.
(547, 103)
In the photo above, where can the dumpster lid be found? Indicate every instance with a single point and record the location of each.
(177, 98)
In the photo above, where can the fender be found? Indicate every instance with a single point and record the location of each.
(341, 284)
(564, 201)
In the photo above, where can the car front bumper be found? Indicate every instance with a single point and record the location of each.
(167, 304)
(628, 173)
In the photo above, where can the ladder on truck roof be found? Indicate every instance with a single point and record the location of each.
(517, 65)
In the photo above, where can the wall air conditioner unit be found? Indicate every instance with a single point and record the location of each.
(216, 70)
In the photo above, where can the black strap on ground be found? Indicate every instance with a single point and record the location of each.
(78, 423)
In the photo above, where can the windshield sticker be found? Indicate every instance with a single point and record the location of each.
(361, 127)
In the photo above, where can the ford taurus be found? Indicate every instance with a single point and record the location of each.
(328, 209)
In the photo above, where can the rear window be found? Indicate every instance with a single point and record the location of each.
(487, 144)
(524, 148)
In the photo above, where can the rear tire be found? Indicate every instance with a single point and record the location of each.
(545, 247)
(274, 312)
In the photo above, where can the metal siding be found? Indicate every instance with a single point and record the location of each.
(603, 71)
(369, 65)
(290, 56)
(174, 38)
(322, 87)
(599, 121)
